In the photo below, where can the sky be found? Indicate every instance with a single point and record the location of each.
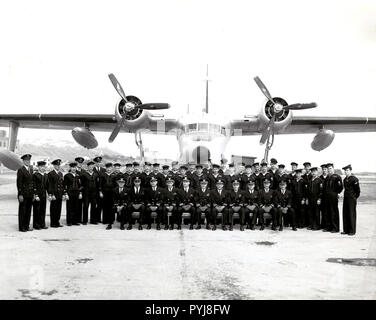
(55, 57)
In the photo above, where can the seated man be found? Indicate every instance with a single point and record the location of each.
(187, 197)
(137, 198)
(154, 203)
(236, 199)
(251, 205)
(266, 196)
(220, 199)
(171, 199)
(283, 204)
(203, 203)
(121, 202)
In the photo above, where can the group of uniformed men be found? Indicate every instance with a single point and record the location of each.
(256, 195)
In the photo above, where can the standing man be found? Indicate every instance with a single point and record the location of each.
(251, 205)
(80, 171)
(352, 193)
(127, 175)
(214, 176)
(314, 192)
(299, 189)
(25, 193)
(40, 196)
(55, 193)
(99, 170)
(325, 225)
(219, 197)
(164, 175)
(89, 181)
(187, 200)
(246, 176)
(171, 199)
(121, 202)
(266, 198)
(203, 205)
(73, 189)
(106, 192)
(154, 203)
(236, 204)
(230, 177)
(283, 205)
(264, 174)
(197, 176)
(137, 199)
(146, 175)
(333, 188)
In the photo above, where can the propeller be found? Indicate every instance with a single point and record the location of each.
(277, 108)
(130, 106)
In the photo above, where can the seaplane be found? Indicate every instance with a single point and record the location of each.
(202, 137)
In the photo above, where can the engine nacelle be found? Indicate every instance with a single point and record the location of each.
(135, 118)
(283, 117)
(10, 160)
(84, 137)
(322, 139)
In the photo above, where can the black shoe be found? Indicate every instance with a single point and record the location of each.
(76, 224)
(207, 227)
(252, 227)
(198, 227)
(343, 232)
(190, 227)
(351, 234)
(84, 223)
(231, 228)
(281, 228)
(262, 227)
(249, 227)
(29, 229)
(148, 227)
(139, 227)
(166, 227)
(121, 227)
(241, 228)
(294, 229)
(37, 228)
(69, 224)
(109, 227)
(23, 230)
(274, 228)
(214, 228)
(179, 227)
(44, 228)
(171, 227)
(158, 227)
(224, 228)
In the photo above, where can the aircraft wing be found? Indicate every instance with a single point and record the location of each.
(307, 124)
(96, 122)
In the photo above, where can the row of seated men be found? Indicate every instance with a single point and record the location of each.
(298, 201)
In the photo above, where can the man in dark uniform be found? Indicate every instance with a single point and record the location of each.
(171, 199)
(257, 169)
(214, 176)
(25, 193)
(55, 193)
(116, 173)
(174, 168)
(80, 170)
(230, 177)
(314, 192)
(105, 189)
(99, 170)
(307, 176)
(273, 166)
(283, 205)
(246, 176)
(181, 176)
(89, 182)
(73, 193)
(146, 175)
(280, 175)
(203, 203)
(251, 205)
(191, 171)
(127, 175)
(299, 189)
(157, 174)
(334, 187)
(197, 176)
(351, 194)
(265, 174)
(325, 225)
(136, 172)
(236, 204)
(219, 197)
(266, 200)
(121, 202)
(40, 196)
(187, 200)
(79, 161)
(137, 200)
(154, 203)
(164, 175)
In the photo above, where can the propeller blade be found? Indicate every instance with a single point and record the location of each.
(116, 130)
(263, 89)
(153, 106)
(300, 106)
(268, 131)
(117, 86)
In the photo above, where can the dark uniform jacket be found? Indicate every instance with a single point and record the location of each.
(236, 198)
(352, 188)
(261, 178)
(155, 197)
(220, 199)
(128, 179)
(115, 176)
(120, 198)
(25, 182)
(266, 198)
(251, 198)
(145, 179)
(40, 184)
(230, 179)
(89, 184)
(187, 197)
(203, 198)
(56, 184)
(278, 178)
(171, 198)
(212, 180)
(334, 184)
(314, 190)
(139, 197)
(196, 179)
(99, 171)
(72, 184)
(282, 200)
(298, 189)
(245, 178)
(106, 183)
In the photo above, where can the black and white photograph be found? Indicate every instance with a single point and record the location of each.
(187, 150)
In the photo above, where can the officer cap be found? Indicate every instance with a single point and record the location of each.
(56, 162)
(199, 166)
(266, 180)
(235, 182)
(293, 164)
(135, 164)
(127, 165)
(98, 159)
(164, 167)
(248, 165)
(281, 166)
(41, 163)
(231, 165)
(243, 164)
(273, 161)
(264, 164)
(156, 164)
(256, 164)
(329, 165)
(137, 179)
(90, 163)
(307, 164)
(174, 163)
(79, 159)
(347, 167)
(203, 180)
(219, 181)
(108, 164)
(298, 170)
(170, 179)
(185, 179)
(26, 157)
(120, 179)
(283, 182)
(117, 164)
(324, 166)
(314, 169)
(251, 180)
(147, 163)
(183, 167)
(153, 179)
(216, 166)
(73, 164)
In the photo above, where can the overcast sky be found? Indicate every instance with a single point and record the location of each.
(55, 57)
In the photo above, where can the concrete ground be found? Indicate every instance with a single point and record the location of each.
(89, 262)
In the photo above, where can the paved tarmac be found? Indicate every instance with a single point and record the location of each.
(89, 262)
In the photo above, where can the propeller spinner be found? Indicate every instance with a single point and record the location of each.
(130, 106)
